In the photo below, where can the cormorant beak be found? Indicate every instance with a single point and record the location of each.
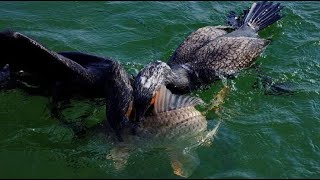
(141, 109)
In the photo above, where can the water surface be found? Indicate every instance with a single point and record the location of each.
(262, 136)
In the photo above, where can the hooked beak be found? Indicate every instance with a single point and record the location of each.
(141, 109)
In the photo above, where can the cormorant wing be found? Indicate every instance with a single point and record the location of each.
(226, 56)
(24, 53)
(186, 51)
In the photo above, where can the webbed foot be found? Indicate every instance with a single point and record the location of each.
(270, 87)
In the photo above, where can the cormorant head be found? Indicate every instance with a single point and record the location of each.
(146, 84)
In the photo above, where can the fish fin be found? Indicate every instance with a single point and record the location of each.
(119, 155)
(216, 103)
(207, 141)
(166, 101)
(183, 163)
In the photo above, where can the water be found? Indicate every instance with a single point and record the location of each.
(262, 136)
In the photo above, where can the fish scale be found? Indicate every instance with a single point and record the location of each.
(174, 124)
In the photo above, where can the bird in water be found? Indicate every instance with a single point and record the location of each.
(209, 54)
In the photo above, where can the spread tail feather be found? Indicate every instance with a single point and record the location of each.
(260, 15)
(166, 101)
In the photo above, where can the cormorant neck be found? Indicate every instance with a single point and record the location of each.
(181, 83)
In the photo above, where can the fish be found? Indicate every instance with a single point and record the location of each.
(174, 124)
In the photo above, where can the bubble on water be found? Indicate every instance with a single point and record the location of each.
(233, 85)
(279, 24)
(294, 73)
(312, 81)
(32, 129)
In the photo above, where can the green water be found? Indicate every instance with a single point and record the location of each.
(262, 136)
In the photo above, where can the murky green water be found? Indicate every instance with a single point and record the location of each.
(262, 136)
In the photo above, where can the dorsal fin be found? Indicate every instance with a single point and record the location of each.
(166, 101)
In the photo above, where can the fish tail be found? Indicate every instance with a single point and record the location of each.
(214, 131)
